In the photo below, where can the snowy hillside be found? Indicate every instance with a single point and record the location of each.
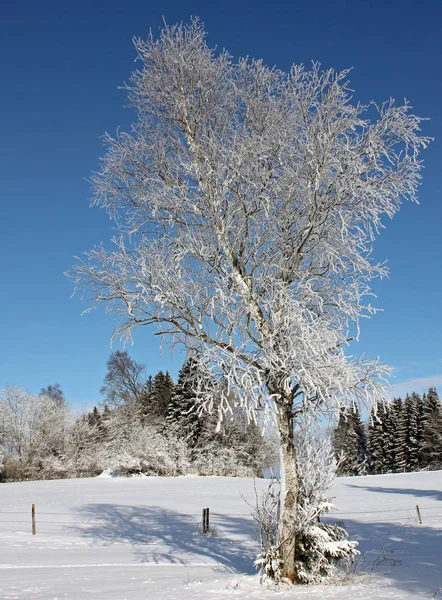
(139, 539)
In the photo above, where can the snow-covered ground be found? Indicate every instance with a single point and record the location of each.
(139, 539)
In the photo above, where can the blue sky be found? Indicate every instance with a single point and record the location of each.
(61, 65)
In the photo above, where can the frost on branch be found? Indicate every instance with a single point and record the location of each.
(320, 545)
(246, 201)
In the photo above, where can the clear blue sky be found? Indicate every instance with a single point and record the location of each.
(61, 65)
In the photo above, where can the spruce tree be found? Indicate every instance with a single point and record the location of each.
(96, 421)
(431, 446)
(156, 400)
(408, 448)
(394, 441)
(182, 415)
(340, 442)
(146, 399)
(360, 435)
(379, 432)
(420, 427)
(350, 443)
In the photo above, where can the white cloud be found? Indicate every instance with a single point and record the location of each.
(419, 385)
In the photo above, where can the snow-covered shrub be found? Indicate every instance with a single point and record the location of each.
(319, 546)
(14, 469)
(48, 467)
(144, 451)
(82, 447)
(265, 512)
(215, 459)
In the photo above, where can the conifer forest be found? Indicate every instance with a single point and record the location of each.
(402, 436)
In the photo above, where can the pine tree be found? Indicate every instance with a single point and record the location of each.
(156, 397)
(408, 443)
(96, 421)
(182, 415)
(420, 427)
(431, 446)
(146, 399)
(350, 443)
(378, 437)
(340, 442)
(360, 436)
(394, 442)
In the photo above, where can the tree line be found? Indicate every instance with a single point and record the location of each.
(402, 436)
(144, 425)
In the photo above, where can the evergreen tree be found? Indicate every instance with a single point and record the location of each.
(158, 400)
(420, 427)
(395, 417)
(407, 435)
(146, 399)
(340, 442)
(378, 440)
(360, 436)
(182, 415)
(96, 421)
(431, 446)
(350, 443)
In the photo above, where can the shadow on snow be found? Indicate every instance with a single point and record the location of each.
(433, 494)
(407, 554)
(160, 536)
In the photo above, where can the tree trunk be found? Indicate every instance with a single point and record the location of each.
(289, 492)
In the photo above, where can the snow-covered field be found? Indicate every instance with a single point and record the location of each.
(139, 539)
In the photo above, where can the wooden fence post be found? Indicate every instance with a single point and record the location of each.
(205, 520)
(34, 530)
(419, 520)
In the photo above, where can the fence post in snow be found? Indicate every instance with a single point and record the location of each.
(34, 531)
(205, 520)
(419, 520)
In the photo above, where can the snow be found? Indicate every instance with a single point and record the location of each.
(139, 539)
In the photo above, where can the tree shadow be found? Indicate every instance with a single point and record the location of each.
(433, 494)
(160, 536)
(409, 555)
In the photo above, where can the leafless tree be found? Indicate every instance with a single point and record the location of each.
(246, 201)
(123, 383)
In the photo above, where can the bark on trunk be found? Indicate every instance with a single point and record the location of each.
(289, 492)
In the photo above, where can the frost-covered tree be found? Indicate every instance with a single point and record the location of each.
(246, 201)
(50, 427)
(319, 545)
(34, 429)
(20, 414)
(82, 447)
